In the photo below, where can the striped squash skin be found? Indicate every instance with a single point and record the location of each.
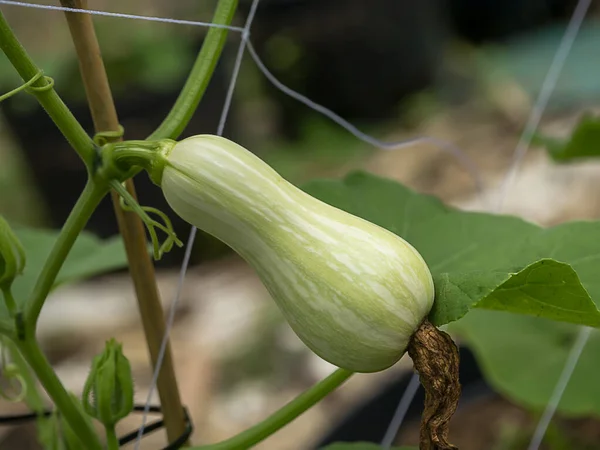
(352, 291)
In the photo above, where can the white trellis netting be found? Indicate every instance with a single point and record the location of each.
(518, 156)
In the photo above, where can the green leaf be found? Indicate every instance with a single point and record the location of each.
(583, 143)
(482, 260)
(362, 446)
(546, 288)
(89, 256)
(523, 357)
(48, 433)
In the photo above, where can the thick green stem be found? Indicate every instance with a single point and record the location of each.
(68, 408)
(112, 442)
(11, 304)
(7, 327)
(42, 89)
(199, 77)
(128, 156)
(282, 417)
(85, 206)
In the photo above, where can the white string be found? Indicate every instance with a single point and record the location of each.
(120, 15)
(537, 112)
(559, 389)
(441, 144)
(400, 413)
(546, 90)
(192, 236)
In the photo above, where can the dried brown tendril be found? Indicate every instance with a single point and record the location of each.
(435, 357)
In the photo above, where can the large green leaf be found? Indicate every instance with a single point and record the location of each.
(89, 256)
(361, 446)
(523, 358)
(482, 260)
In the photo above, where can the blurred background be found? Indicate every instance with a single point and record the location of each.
(462, 71)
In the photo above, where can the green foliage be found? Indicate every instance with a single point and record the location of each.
(48, 433)
(478, 259)
(523, 357)
(584, 141)
(89, 256)
(546, 288)
(12, 255)
(54, 432)
(70, 438)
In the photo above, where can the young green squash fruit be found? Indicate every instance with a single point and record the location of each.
(352, 291)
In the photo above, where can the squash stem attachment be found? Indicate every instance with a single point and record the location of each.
(436, 359)
(128, 203)
(122, 157)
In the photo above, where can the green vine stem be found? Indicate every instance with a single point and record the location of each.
(10, 301)
(7, 327)
(41, 366)
(43, 90)
(91, 196)
(200, 75)
(283, 416)
(112, 442)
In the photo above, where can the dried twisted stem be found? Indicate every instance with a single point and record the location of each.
(435, 358)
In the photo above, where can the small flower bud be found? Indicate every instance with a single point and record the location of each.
(108, 391)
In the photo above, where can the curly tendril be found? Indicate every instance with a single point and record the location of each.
(16, 381)
(128, 203)
(49, 85)
(25, 86)
(104, 137)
